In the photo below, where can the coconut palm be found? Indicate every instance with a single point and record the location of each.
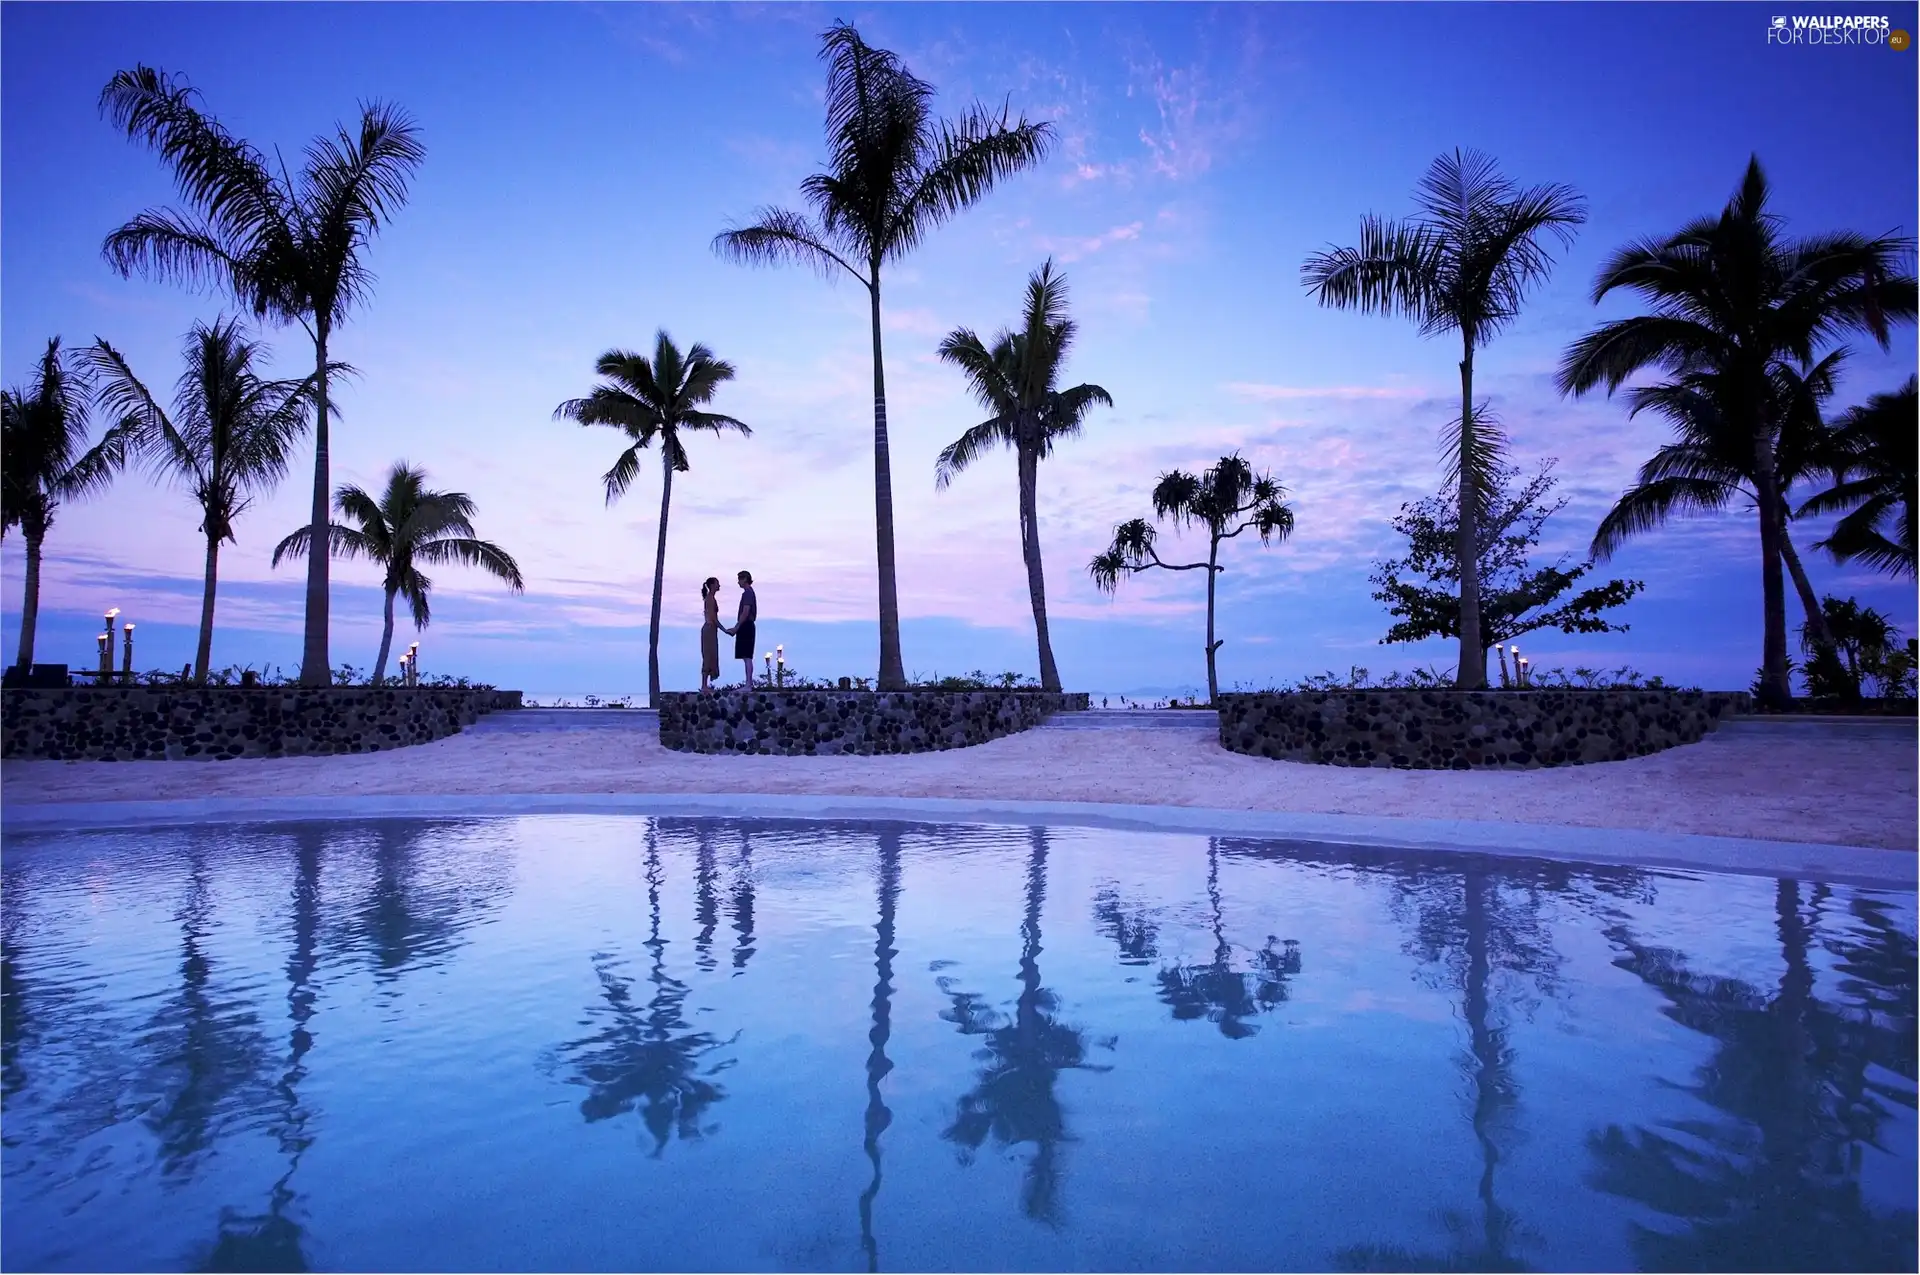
(1733, 295)
(1875, 480)
(43, 435)
(286, 247)
(1463, 264)
(229, 438)
(894, 174)
(410, 525)
(1711, 464)
(1227, 500)
(1017, 381)
(650, 399)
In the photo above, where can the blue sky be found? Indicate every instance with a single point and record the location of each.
(580, 158)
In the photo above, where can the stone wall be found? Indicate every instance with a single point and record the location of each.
(133, 723)
(862, 722)
(1469, 730)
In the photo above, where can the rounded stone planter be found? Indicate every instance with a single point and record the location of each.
(1469, 730)
(825, 723)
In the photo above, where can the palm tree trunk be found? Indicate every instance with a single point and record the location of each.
(30, 604)
(1775, 690)
(659, 572)
(1036, 580)
(315, 670)
(386, 641)
(203, 651)
(1472, 674)
(1809, 601)
(893, 674)
(1213, 681)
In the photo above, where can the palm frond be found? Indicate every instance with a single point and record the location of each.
(1648, 505)
(469, 552)
(777, 237)
(342, 542)
(969, 447)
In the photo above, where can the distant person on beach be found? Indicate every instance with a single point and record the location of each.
(742, 629)
(709, 632)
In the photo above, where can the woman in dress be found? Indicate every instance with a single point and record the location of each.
(710, 632)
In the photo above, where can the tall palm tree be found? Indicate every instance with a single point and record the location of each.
(1017, 380)
(1875, 479)
(286, 247)
(894, 173)
(1711, 463)
(43, 435)
(410, 525)
(1733, 295)
(1227, 499)
(648, 400)
(1463, 264)
(230, 436)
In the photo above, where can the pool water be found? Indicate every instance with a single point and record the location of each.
(612, 1043)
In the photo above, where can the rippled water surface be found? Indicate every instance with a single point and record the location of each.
(578, 1043)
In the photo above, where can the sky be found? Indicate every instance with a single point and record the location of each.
(580, 158)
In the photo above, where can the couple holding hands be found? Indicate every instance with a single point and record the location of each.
(711, 629)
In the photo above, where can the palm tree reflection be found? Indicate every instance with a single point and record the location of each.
(1798, 1091)
(647, 1056)
(424, 898)
(205, 1050)
(272, 1241)
(1216, 991)
(742, 898)
(1014, 1100)
(706, 904)
(878, 1115)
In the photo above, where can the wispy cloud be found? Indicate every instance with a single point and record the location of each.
(1277, 393)
(1076, 247)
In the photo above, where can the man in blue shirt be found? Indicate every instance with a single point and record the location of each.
(742, 629)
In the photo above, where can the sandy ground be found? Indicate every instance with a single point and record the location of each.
(1846, 791)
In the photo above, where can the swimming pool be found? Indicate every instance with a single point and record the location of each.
(578, 1042)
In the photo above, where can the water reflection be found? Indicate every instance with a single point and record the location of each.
(647, 1055)
(1485, 935)
(430, 885)
(1014, 1099)
(1797, 1089)
(274, 1240)
(204, 1052)
(1219, 992)
(207, 993)
(878, 1115)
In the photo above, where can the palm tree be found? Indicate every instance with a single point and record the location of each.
(1874, 478)
(1017, 381)
(230, 437)
(43, 434)
(894, 174)
(1463, 264)
(1227, 500)
(409, 525)
(1732, 295)
(1711, 464)
(288, 248)
(649, 399)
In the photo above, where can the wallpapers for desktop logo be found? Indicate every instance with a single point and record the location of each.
(1838, 28)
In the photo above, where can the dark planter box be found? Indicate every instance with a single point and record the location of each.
(1469, 730)
(135, 723)
(810, 722)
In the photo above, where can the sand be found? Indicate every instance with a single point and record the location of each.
(1773, 785)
